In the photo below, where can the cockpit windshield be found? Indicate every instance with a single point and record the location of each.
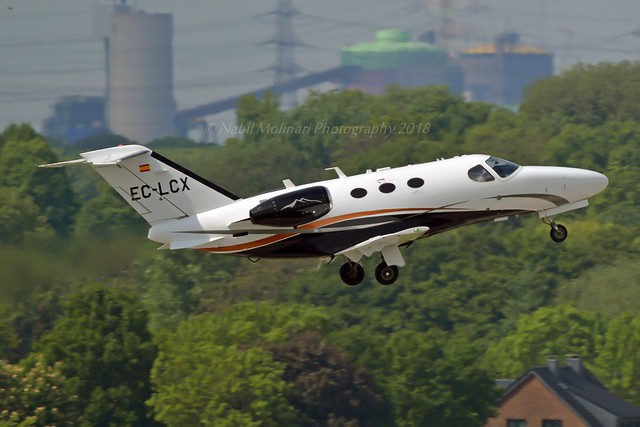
(502, 167)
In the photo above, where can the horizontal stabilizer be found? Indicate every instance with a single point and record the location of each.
(63, 164)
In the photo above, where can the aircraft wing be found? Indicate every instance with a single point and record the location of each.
(387, 244)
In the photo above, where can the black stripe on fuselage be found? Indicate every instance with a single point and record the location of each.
(552, 198)
(328, 244)
(194, 176)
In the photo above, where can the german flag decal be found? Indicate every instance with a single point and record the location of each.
(145, 167)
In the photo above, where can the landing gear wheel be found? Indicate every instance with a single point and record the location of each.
(558, 233)
(351, 273)
(386, 274)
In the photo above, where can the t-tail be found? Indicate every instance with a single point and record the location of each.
(157, 188)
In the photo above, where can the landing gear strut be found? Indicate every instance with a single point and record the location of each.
(558, 232)
(386, 274)
(351, 273)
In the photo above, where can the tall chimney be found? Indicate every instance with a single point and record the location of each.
(575, 363)
(552, 364)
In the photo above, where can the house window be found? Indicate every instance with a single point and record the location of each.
(516, 423)
(551, 423)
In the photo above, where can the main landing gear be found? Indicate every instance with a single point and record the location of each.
(386, 274)
(558, 232)
(352, 273)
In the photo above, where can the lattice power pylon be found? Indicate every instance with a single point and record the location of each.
(285, 67)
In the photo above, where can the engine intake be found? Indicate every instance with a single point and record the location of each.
(292, 209)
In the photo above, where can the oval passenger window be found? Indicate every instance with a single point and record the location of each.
(415, 182)
(387, 187)
(358, 193)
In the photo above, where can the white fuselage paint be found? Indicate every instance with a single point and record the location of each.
(447, 187)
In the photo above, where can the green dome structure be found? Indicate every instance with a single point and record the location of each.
(393, 49)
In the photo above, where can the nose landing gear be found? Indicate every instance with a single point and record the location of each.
(558, 232)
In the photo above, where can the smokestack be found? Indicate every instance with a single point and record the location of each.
(552, 364)
(575, 363)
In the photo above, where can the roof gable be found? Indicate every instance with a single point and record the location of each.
(582, 393)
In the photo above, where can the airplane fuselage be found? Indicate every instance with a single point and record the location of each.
(439, 195)
(354, 217)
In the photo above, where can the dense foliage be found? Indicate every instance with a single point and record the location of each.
(185, 338)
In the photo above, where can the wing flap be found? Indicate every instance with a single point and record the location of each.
(387, 244)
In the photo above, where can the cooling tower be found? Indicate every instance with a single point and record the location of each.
(140, 101)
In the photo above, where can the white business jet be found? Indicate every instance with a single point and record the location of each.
(352, 216)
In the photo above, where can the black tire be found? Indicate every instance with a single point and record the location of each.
(351, 273)
(559, 233)
(386, 274)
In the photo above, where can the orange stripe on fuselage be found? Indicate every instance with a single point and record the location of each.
(319, 223)
(250, 245)
(354, 215)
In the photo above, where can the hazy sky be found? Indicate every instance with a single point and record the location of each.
(47, 50)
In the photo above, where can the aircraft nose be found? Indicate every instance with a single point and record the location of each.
(587, 183)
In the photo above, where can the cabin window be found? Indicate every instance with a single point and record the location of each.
(387, 187)
(480, 174)
(551, 423)
(415, 182)
(503, 167)
(358, 193)
(516, 423)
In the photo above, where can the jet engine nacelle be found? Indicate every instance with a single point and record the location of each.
(292, 209)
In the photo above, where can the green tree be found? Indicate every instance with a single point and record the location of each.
(326, 389)
(549, 331)
(20, 218)
(215, 370)
(18, 132)
(208, 384)
(49, 189)
(435, 381)
(607, 289)
(31, 394)
(588, 94)
(102, 338)
(618, 361)
(177, 282)
(107, 215)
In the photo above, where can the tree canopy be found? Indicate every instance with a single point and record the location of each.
(186, 338)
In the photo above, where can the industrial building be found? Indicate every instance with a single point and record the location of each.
(139, 104)
(499, 72)
(76, 117)
(394, 59)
